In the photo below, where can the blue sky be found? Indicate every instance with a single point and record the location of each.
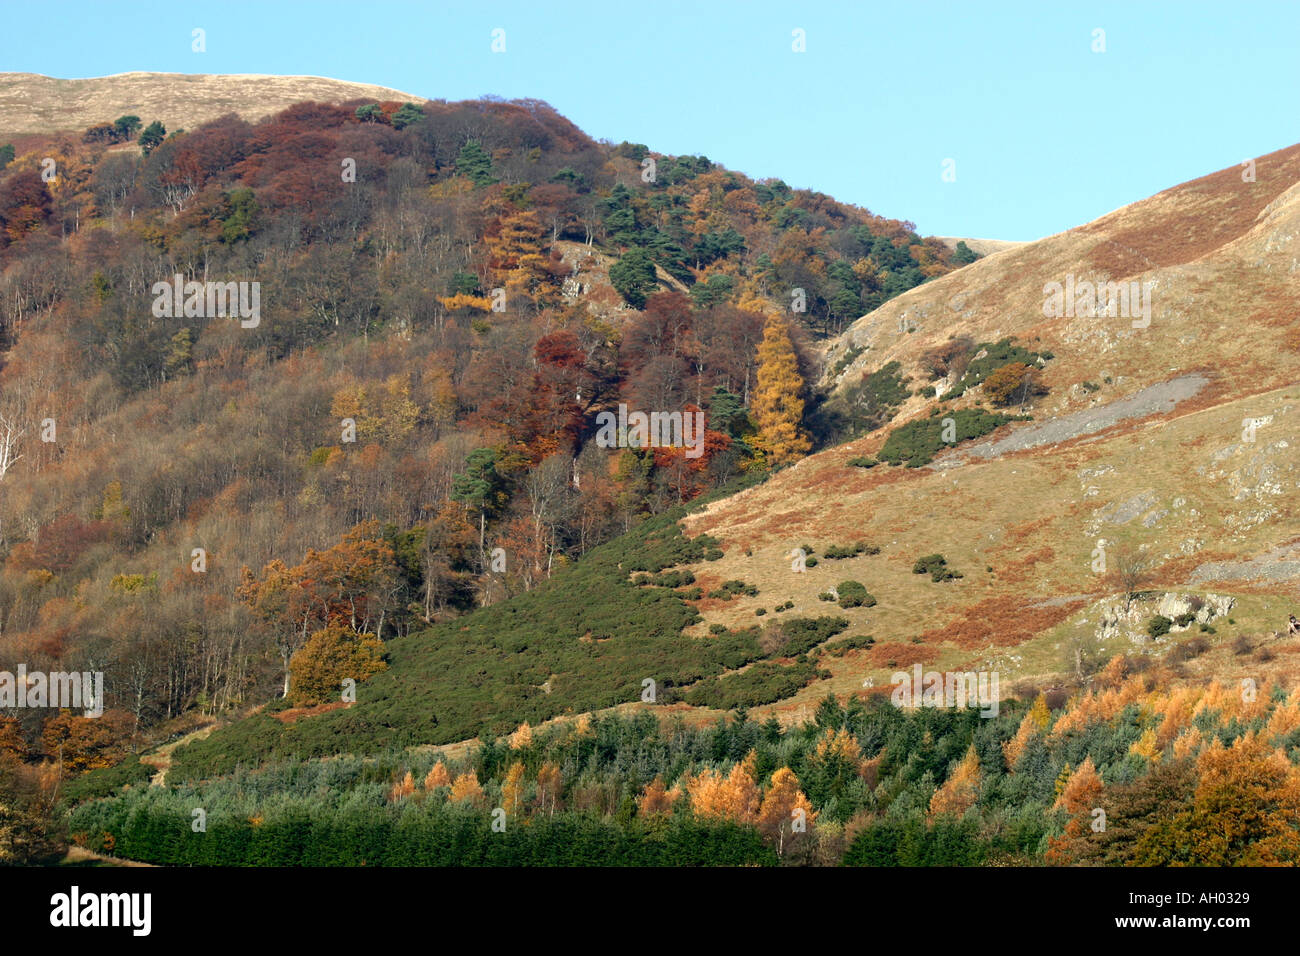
(1045, 133)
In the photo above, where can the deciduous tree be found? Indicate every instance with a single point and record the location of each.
(778, 404)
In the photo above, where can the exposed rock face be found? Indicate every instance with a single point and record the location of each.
(1115, 621)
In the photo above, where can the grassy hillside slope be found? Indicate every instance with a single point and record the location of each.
(31, 103)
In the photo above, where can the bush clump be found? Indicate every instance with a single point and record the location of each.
(729, 589)
(935, 565)
(764, 683)
(995, 355)
(108, 780)
(798, 635)
(1159, 626)
(916, 443)
(855, 642)
(838, 552)
(1186, 650)
(854, 594)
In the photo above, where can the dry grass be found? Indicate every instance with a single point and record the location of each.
(34, 104)
(1033, 517)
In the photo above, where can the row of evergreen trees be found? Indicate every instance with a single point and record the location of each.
(163, 832)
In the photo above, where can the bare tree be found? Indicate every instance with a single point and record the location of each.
(10, 436)
(1084, 656)
(1131, 572)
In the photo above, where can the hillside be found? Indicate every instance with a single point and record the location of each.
(1109, 463)
(1140, 440)
(1106, 463)
(393, 480)
(449, 295)
(981, 247)
(34, 104)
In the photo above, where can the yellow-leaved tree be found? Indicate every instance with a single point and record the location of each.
(512, 789)
(550, 786)
(1034, 723)
(960, 790)
(437, 776)
(656, 799)
(785, 810)
(522, 738)
(330, 656)
(732, 797)
(778, 405)
(402, 788)
(466, 789)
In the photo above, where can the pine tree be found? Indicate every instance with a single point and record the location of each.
(777, 404)
(1062, 779)
(475, 164)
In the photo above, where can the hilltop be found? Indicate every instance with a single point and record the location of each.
(34, 104)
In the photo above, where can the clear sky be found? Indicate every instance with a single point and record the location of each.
(1044, 132)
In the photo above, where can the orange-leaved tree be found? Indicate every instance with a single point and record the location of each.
(961, 789)
(785, 811)
(332, 655)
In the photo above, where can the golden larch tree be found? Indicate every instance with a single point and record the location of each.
(466, 789)
(656, 799)
(778, 405)
(960, 791)
(1246, 805)
(512, 789)
(522, 738)
(1080, 796)
(785, 810)
(1034, 723)
(437, 776)
(732, 797)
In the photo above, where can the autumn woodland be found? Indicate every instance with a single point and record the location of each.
(364, 586)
